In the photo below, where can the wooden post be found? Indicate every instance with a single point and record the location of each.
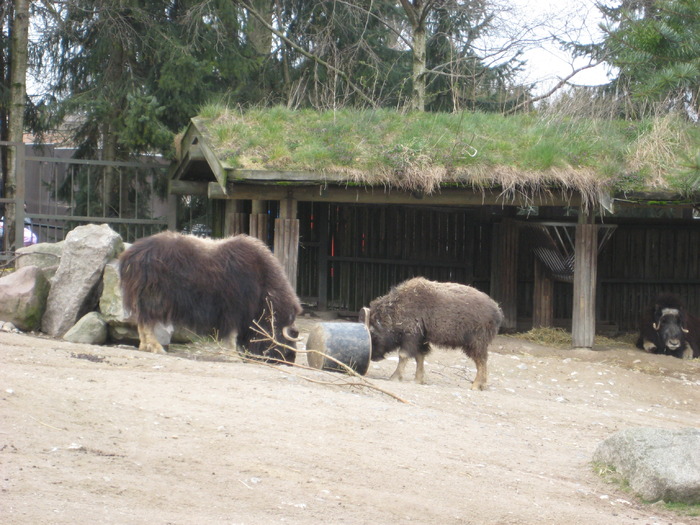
(504, 272)
(585, 276)
(232, 222)
(259, 220)
(543, 297)
(286, 247)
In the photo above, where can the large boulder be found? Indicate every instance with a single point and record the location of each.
(45, 255)
(111, 306)
(23, 297)
(86, 251)
(90, 329)
(120, 328)
(659, 464)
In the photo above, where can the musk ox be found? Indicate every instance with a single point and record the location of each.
(210, 286)
(418, 313)
(666, 328)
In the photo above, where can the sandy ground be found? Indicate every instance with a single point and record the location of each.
(111, 435)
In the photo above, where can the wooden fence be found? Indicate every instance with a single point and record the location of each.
(62, 193)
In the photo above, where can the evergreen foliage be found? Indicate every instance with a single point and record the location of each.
(656, 47)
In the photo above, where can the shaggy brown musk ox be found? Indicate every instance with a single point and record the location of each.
(210, 286)
(667, 328)
(418, 313)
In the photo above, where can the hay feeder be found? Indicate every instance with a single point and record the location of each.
(348, 343)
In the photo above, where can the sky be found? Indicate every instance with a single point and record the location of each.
(576, 19)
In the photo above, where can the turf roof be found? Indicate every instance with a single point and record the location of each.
(521, 154)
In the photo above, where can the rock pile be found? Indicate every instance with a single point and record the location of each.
(69, 289)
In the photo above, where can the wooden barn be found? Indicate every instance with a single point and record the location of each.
(557, 246)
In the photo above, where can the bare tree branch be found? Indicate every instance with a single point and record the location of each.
(562, 82)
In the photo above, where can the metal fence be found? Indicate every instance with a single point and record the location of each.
(54, 195)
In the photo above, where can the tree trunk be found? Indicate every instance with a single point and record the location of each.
(18, 96)
(419, 58)
(415, 12)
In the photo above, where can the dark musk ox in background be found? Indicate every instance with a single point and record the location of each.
(418, 313)
(210, 286)
(666, 328)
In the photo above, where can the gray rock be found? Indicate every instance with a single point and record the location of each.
(659, 464)
(90, 329)
(111, 306)
(86, 251)
(8, 327)
(23, 297)
(45, 255)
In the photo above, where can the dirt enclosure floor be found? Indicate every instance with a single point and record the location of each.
(111, 435)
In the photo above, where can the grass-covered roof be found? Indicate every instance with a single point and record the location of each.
(527, 153)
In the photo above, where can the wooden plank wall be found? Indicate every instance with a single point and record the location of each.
(370, 248)
(641, 261)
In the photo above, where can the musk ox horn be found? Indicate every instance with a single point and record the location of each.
(287, 335)
(685, 330)
(656, 326)
(364, 316)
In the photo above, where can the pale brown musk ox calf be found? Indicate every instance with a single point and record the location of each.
(211, 286)
(419, 312)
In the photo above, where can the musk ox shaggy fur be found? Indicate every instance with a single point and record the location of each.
(210, 286)
(419, 312)
(667, 328)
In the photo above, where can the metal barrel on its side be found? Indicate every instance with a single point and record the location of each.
(332, 343)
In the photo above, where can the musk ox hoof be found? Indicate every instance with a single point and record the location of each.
(478, 386)
(152, 348)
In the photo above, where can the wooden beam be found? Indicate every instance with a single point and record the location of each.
(585, 275)
(232, 224)
(286, 246)
(369, 195)
(216, 191)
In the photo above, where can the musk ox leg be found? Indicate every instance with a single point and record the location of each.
(649, 346)
(231, 341)
(687, 352)
(403, 359)
(148, 341)
(479, 382)
(420, 368)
